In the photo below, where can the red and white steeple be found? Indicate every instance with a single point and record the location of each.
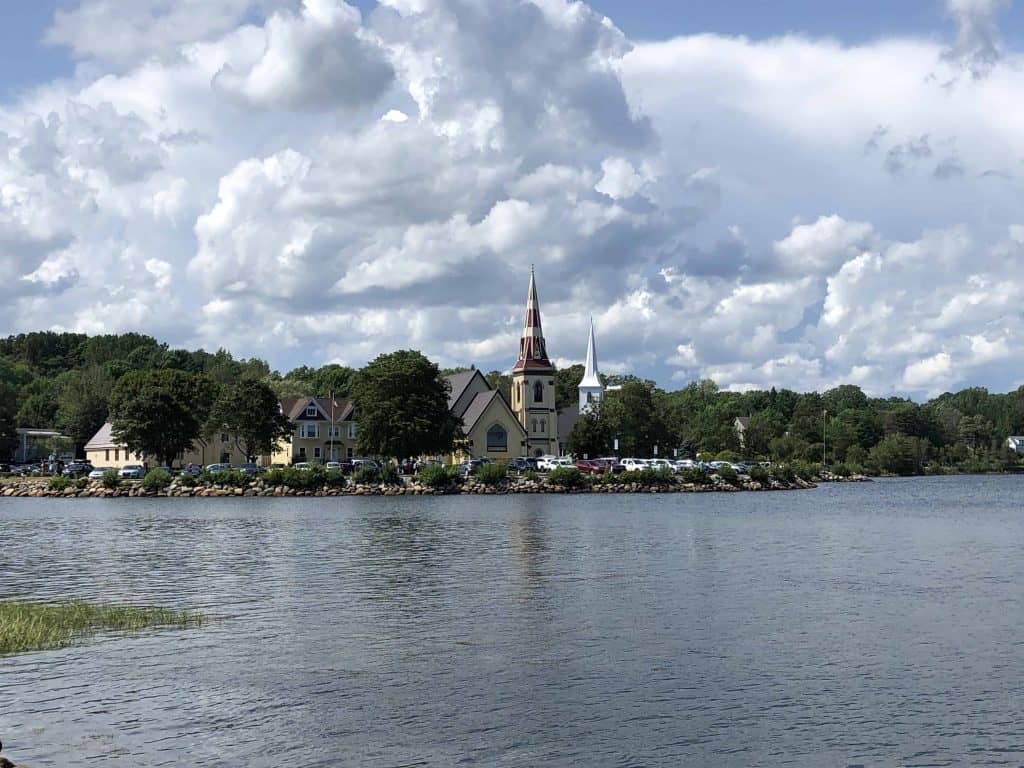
(533, 354)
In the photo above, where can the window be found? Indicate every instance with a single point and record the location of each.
(543, 426)
(106, 454)
(351, 431)
(335, 430)
(538, 392)
(117, 454)
(309, 430)
(348, 453)
(310, 411)
(497, 438)
(316, 453)
(534, 425)
(302, 452)
(223, 437)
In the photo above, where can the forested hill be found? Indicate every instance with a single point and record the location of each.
(63, 380)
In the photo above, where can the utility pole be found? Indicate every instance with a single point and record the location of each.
(333, 457)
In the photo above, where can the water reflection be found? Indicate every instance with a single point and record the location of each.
(846, 626)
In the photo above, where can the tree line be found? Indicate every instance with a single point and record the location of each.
(74, 383)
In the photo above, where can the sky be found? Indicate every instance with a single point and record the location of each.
(792, 194)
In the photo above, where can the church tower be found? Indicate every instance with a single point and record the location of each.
(591, 388)
(533, 383)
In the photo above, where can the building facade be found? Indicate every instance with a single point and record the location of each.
(489, 427)
(103, 450)
(533, 383)
(323, 429)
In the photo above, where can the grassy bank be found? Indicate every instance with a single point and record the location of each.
(31, 626)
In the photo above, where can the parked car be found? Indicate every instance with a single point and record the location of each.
(521, 465)
(588, 467)
(660, 464)
(250, 469)
(216, 469)
(192, 469)
(684, 464)
(77, 469)
(302, 466)
(97, 473)
(470, 467)
(634, 465)
(132, 472)
(610, 464)
(360, 463)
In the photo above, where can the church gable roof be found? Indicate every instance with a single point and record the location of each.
(461, 382)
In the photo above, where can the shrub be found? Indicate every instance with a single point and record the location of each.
(728, 474)
(695, 475)
(805, 470)
(492, 474)
(59, 483)
(111, 479)
(783, 473)
(156, 480)
(334, 479)
(188, 480)
(82, 483)
(530, 476)
(366, 475)
(566, 477)
(434, 476)
(389, 475)
(759, 474)
(841, 470)
(299, 479)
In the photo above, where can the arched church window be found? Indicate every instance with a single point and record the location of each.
(497, 438)
(543, 425)
(538, 392)
(534, 425)
(590, 397)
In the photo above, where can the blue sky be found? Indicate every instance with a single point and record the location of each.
(726, 201)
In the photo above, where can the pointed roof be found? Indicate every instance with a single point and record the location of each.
(591, 376)
(533, 353)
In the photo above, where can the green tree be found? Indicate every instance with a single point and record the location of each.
(501, 382)
(763, 427)
(82, 403)
(403, 407)
(567, 382)
(591, 436)
(160, 412)
(249, 411)
(634, 419)
(899, 455)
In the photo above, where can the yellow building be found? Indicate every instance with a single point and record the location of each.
(489, 428)
(103, 450)
(323, 429)
(533, 383)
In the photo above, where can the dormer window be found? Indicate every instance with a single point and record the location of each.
(311, 411)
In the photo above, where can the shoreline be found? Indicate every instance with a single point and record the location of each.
(38, 488)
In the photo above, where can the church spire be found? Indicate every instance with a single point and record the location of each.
(532, 349)
(591, 389)
(591, 377)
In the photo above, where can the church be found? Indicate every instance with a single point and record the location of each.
(529, 425)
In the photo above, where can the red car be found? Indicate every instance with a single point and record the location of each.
(588, 467)
(609, 465)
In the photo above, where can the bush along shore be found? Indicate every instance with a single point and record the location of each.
(433, 481)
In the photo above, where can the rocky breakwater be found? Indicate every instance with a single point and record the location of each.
(258, 488)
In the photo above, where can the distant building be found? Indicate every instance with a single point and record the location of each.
(323, 429)
(38, 444)
(1015, 444)
(533, 383)
(489, 427)
(103, 450)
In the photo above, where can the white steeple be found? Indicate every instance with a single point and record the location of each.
(591, 389)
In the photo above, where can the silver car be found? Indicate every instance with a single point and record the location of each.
(132, 472)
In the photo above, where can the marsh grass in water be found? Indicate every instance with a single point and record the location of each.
(31, 626)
